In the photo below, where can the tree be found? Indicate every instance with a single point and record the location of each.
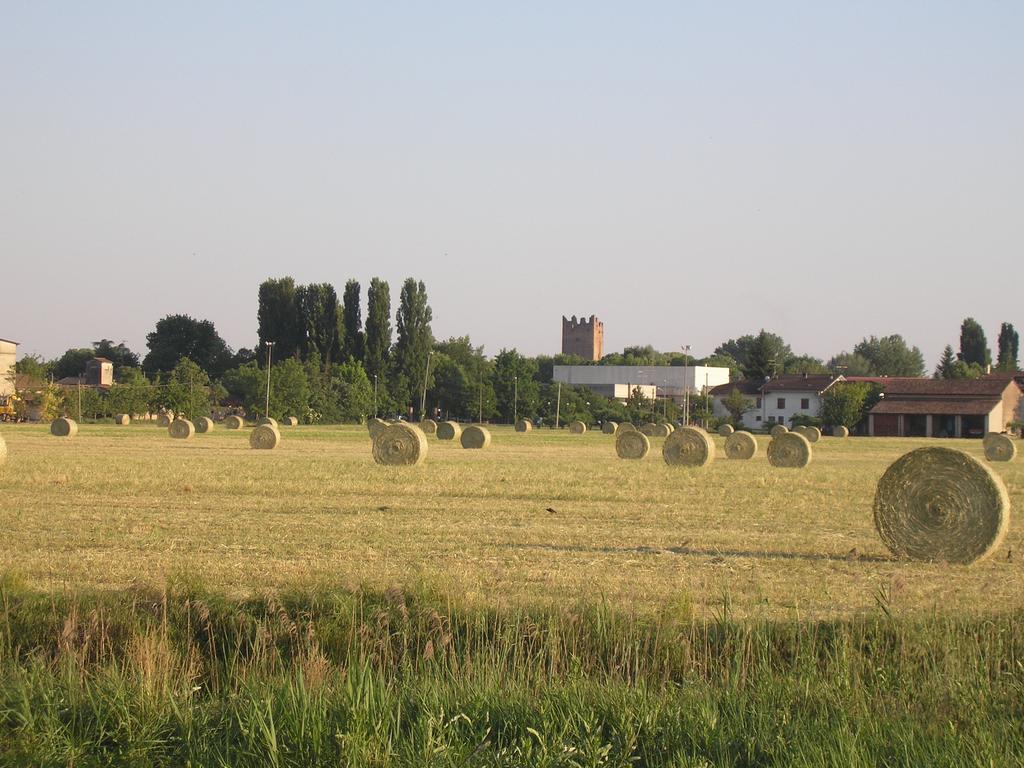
(890, 356)
(353, 390)
(773, 350)
(721, 360)
(378, 329)
(72, 362)
(289, 388)
(187, 390)
(846, 404)
(973, 345)
(515, 388)
(319, 322)
(178, 336)
(34, 366)
(1009, 345)
(805, 364)
(849, 364)
(415, 341)
(946, 369)
(736, 404)
(353, 322)
(278, 317)
(131, 395)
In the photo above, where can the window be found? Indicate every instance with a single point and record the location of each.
(758, 418)
(781, 403)
(805, 403)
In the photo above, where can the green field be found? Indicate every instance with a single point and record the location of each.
(538, 603)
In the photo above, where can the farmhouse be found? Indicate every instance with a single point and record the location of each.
(946, 407)
(778, 400)
(661, 381)
(8, 354)
(99, 374)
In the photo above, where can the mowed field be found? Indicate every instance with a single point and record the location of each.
(538, 518)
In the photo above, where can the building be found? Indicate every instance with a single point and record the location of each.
(8, 356)
(657, 381)
(583, 338)
(99, 374)
(777, 400)
(946, 407)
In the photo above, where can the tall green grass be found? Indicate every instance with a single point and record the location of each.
(330, 677)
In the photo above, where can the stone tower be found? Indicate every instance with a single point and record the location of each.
(583, 337)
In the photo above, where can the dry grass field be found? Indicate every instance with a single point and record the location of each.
(544, 517)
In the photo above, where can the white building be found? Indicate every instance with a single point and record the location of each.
(776, 401)
(8, 355)
(660, 380)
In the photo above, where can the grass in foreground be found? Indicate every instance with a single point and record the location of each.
(186, 677)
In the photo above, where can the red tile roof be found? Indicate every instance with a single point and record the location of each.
(983, 387)
(977, 407)
(745, 388)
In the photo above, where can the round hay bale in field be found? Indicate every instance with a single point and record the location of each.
(649, 429)
(181, 429)
(429, 426)
(264, 437)
(524, 425)
(725, 430)
(664, 430)
(626, 426)
(790, 450)
(234, 422)
(578, 428)
(290, 421)
(741, 445)
(813, 434)
(840, 431)
(448, 430)
(266, 420)
(688, 447)
(3, 450)
(778, 429)
(999, 447)
(475, 436)
(800, 430)
(204, 425)
(609, 427)
(375, 426)
(164, 420)
(122, 419)
(400, 445)
(631, 444)
(940, 504)
(63, 428)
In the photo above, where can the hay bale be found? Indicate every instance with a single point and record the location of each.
(375, 426)
(813, 434)
(234, 422)
(578, 428)
(475, 436)
(664, 430)
(999, 447)
(790, 450)
(778, 429)
(290, 421)
(800, 430)
(625, 427)
(631, 444)
(609, 427)
(264, 437)
(448, 430)
(650, 429)
(688, 447)
(725, 430)
(741, 445)
(122, 419)
(940, 504)
(524, 425)
(164, 420)
(63, 428)
(840, 431)
(400, 445)
(204, 425)
(266, 420)
(181, 429)
(428, 426)
(3, 450)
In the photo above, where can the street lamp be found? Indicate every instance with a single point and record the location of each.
(375, 395)
(270, 350)
(686, 387)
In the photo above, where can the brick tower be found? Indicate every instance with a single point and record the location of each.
(583, 337)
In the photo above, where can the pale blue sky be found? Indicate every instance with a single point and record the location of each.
(689, 172)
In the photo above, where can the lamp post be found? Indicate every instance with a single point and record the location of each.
(686, 388)
(375, 395)
(423, 399)
(515, 400)
(270, 351)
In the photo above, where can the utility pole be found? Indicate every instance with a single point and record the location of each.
(270, 350)
(423, 399)
(480, 415)
(515, 400)
(558, 404)
(191, 398)
(375, 395)
(79, 398)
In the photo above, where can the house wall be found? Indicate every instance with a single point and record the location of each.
(671, 380)
(792, 408)
(8, 354)
(1011, 406)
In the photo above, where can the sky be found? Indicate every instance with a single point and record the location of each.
(689, 172)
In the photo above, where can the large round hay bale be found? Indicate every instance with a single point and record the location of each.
(204, 425)
(290, 421)
(631, 444)
(122, 419)
(264, 437)
(234, 422)
(840, 431)
(626, 426)
(164, 420)
(790, 450)
(448, 430)
(650, 429)
(813, 434)
(3, 450)
(778, 429)
(524, 425)
(181, 429)
(664, 430)
(375, 426)
(577, 428)
(725, 430)
(400, 445)
(740, 445)
(266, 420)
(428, 426)
(63, 428)
(475, 436)
(940, 504)
(999, 447)
(688, 447)
(609, 427)
(800, 429)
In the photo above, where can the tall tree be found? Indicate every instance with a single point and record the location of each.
(318, 312)
(178, 336)
(378, 329)
(891, 356)
(847, 404)
(72, 362)
(850, 364)
(765, 356)
(515, 388)
(1009, 346)
(973, 345)
(414, 343)
(352, 319)
(805, 364)
(946, 369)
(278, 317)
